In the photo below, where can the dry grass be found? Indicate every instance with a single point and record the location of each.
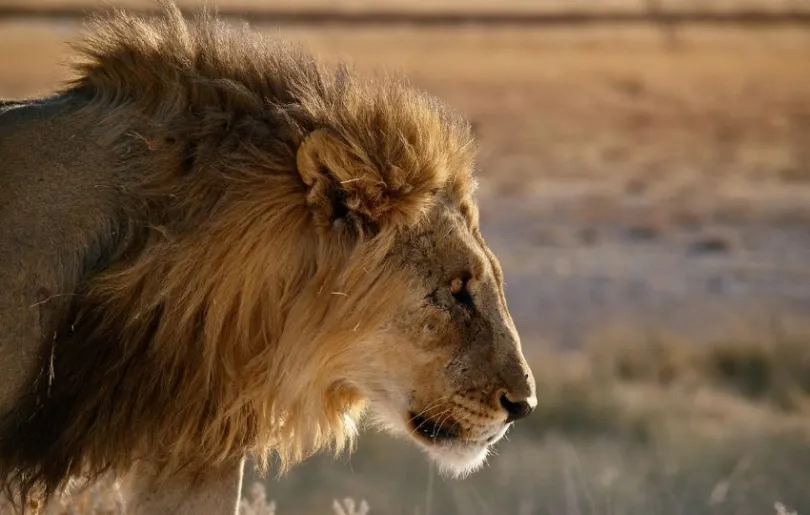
(105, 500)
(774, 371)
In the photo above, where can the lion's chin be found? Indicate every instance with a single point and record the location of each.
(456, 457)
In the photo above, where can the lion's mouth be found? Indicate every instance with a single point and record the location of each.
(431, 431)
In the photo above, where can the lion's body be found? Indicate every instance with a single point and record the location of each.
(211, 247)
(50, 203)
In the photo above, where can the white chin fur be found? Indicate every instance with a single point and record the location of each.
(455, 459)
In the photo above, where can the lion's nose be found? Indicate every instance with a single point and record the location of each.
(517, 408)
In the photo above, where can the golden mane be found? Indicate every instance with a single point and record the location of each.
(212, 319)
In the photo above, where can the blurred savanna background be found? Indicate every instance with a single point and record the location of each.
(645, 180)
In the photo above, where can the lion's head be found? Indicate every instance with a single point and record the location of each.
(441, 363)
(289, 248)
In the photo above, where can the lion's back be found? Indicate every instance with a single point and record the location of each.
(55, 197)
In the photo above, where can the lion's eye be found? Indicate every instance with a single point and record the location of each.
(460, 292)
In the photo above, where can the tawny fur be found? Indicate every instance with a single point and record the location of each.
(213, 318)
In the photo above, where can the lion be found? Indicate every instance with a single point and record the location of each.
(215, 246)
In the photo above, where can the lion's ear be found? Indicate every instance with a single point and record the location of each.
(346, 186)
(324, 164)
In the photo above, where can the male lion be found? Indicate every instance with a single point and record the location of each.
(212, 246)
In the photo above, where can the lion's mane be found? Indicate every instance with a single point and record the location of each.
(211, 319)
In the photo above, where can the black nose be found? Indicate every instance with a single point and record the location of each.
(516, 409)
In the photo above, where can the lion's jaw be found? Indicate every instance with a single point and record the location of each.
(455, 455)
(458, 457)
